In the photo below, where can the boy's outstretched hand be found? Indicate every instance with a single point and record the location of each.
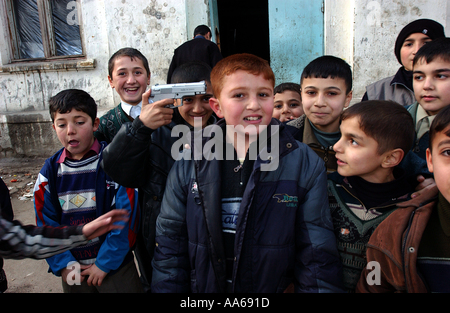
(106, 223)
(154, 115)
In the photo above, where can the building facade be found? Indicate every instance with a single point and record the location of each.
(51, 45)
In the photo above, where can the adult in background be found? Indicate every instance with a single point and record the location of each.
(201, 48)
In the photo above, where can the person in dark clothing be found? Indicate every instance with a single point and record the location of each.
(246, 222)
(140, 155)
(201, 48)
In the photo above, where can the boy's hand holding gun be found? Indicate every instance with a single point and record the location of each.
(160, 113)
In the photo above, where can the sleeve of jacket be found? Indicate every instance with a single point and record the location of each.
(318, 266)
(171, 270)
(125, 158)
(28, 241)
(46, 215)
(118, 243)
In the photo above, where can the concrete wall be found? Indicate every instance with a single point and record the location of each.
(363, 32)
(155, 27)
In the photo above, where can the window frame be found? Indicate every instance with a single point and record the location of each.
(47, 33)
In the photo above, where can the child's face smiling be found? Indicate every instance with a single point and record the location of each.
(130, 79)
(323, 101)
(287, 105)
(245, 100)
(75, 131)
(197, 107)
(431, 83)
(439, 162)
(357, 153)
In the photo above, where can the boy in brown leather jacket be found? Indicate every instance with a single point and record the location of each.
(409, 251)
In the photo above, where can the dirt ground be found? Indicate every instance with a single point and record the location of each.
(28, 275)
(25, 276)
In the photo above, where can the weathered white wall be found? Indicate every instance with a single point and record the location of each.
(197, 13)
(155, 27)
(363, 32)
(339, 28)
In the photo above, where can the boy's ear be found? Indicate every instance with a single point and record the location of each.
(110, 82)
(393, 158)
(348, 99)
(215, 106)
(429, 161)
(96, 124)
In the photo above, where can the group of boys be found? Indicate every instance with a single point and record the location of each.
(230, 225)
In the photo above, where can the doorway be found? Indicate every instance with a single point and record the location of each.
(287, 33)
(244, 27)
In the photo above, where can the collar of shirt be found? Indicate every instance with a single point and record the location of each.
(126, 107)
(95, 150)
(423, 121)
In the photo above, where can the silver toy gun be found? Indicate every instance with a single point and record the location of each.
(177, 91)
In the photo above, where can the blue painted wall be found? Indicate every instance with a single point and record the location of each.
(296, 36)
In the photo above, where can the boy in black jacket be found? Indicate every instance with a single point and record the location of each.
(140, 155)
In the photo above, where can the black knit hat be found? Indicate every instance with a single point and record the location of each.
(425, 26)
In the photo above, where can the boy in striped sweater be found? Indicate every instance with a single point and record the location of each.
(73, 189)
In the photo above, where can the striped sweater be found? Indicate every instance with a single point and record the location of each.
(76, 192)
(29, 241)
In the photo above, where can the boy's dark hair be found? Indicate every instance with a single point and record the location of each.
(388, 122)
(69, 99)
(287, 86)
(440, 123)
(128, 52)
(201, 30)
(191, 72)
(438, 48)
(329, 66)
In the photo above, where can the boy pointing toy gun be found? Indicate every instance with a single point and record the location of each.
(140, 154)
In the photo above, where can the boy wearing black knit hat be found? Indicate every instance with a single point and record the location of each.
(399, 87)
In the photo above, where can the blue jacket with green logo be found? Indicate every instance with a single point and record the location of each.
(284, 231)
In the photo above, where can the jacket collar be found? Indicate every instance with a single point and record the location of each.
(403, 77)
(274, 132)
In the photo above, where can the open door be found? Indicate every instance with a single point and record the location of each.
(287, 33)
(244, 27)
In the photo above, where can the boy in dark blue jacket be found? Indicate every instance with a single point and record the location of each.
(245, 209)
(72, 189)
